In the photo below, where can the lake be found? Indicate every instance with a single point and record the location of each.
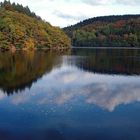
(83, 94)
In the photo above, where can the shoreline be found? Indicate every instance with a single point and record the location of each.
(35, 49)
(134, 48)
(65, 49)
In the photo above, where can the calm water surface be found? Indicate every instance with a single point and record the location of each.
(85, 94)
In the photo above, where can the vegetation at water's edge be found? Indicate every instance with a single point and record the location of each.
(22, 29)
(21, 69)
(108, 31)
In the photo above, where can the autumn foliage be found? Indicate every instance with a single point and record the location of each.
(22, 29)
(109, 31)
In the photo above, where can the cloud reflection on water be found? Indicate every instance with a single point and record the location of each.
(63, 85)
(105, 91)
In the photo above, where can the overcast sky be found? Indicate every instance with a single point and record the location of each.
(67, 12)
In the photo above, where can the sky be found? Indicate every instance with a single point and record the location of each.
(63, 13)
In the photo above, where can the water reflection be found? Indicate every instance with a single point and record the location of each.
(74, 96)
(19, 70)
(104, 91)
(70, 76)
(110, 61)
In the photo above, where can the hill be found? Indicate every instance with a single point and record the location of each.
(22, 29)
(107, 31)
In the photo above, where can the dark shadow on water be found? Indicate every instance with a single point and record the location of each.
(110, 61)
(49, 134)
(66, 100)
(20, 70)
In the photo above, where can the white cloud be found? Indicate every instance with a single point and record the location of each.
(112, 2)
(20, 99)
(2, 95)
(67, 83)
(67, 12)
(105, 91)
(98, 2)
(128, 2)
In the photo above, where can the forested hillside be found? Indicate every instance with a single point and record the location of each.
(22, 29)
(107, 31)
